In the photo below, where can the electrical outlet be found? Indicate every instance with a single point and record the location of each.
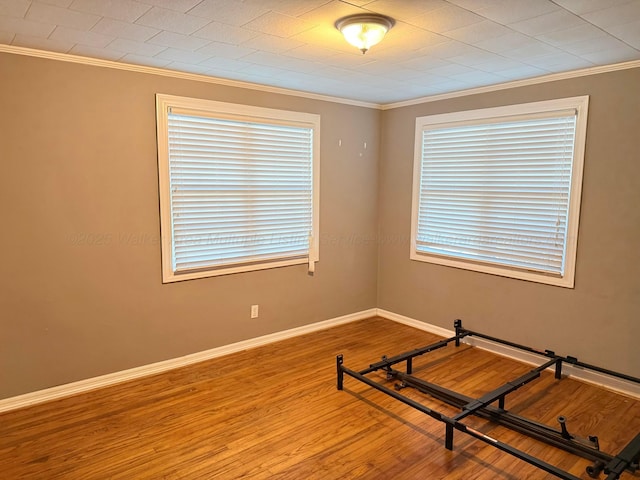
(254, 311)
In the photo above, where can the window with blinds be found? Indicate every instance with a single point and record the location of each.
(238, 187)
(498, 190)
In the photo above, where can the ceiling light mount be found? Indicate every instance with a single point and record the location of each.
(364, 30)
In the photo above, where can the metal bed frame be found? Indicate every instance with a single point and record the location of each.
(612, 465)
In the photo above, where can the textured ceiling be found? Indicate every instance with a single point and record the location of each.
(436, 46)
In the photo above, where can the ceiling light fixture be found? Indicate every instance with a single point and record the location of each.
(364, 30)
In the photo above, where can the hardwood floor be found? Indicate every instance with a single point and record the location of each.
(273, 412)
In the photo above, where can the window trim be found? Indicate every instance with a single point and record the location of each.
(236, 111)
(580, 105)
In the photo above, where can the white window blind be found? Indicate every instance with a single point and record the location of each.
(241, 188)
(497, 191)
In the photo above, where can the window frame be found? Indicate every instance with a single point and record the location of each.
(580, 105)
(212, 108)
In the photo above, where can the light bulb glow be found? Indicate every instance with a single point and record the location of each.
(363, 36)
(364, 31)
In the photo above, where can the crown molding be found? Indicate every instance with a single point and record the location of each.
(65, 57)
(98, 62)
(517, 83)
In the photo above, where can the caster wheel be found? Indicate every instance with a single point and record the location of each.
(594, 470)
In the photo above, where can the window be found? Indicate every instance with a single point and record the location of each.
(498, 190)
(238, 187)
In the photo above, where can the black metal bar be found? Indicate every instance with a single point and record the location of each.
(549, 353)
(545, 353)
(628, 457)
(526, 426)
(457, 324)
(339, 372)
(448, 437)
(517, 453)
(558, 373)
(451, 423)
(408, 401)
(388, 362)
(501, 391)
(611, 373)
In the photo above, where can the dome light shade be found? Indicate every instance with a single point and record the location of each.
(364, 30)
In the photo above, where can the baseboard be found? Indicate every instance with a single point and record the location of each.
(412, 322)
(66, 390)
(615, 384)
(82, 386)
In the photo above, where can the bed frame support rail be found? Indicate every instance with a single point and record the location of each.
(589, 448)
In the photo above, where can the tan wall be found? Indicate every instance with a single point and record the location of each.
(81, 292)
(599, 320)
(80, 288)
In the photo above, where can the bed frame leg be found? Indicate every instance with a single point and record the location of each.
(448, 439)
(339, 372)
(559, 370)
(457, 324)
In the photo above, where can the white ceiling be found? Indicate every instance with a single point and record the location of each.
(436, 46)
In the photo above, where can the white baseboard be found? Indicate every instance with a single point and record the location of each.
(412, 322)
(589, 376)
(82, 386)
(66, 390)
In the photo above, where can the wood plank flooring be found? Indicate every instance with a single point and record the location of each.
(273, 412)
